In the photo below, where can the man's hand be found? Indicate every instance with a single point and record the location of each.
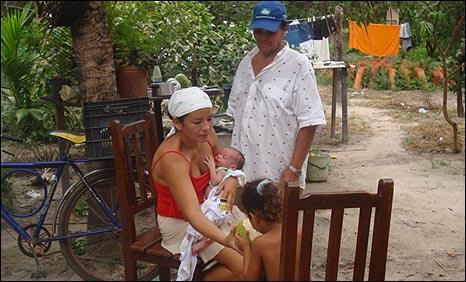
(288, 176)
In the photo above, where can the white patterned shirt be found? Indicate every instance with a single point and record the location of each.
(270, 108)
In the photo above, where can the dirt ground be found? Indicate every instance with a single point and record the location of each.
(427, 239)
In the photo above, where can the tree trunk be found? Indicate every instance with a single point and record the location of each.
(456, 145)
(430, 49)
(459, 93)
(94, 54)
(94, 57)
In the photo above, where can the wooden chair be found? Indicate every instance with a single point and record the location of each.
(134, 145)
(337, 202)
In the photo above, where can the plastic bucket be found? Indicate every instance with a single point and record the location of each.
(317, 167)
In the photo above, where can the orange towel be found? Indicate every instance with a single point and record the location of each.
(377, 40)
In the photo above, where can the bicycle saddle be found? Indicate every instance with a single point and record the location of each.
(72, 137)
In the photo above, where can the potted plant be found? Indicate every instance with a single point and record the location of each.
(132, 50)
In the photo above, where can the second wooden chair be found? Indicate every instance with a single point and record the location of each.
(337, 203)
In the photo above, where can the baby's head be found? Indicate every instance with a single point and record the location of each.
(261, 199)
(231, 158)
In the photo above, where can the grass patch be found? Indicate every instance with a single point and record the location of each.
(440, 163)
(432, 136)
(424, 132)
(358, 129)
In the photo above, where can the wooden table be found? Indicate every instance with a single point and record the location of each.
(338, 90)
(157, 102)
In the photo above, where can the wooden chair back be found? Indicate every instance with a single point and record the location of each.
(337, 202)
(134, 145)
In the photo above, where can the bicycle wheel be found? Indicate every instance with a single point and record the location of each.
(96, 256)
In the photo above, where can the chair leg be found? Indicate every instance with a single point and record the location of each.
(198, 271)
(164, 273)
(130, 268)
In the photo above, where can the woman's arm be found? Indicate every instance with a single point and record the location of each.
(176, 173)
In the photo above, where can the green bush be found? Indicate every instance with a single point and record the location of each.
(366, 77)
(381, 79)
(8, 195)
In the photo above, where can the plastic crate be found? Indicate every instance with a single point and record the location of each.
(97, 117)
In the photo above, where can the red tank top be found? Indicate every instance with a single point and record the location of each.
(166, 204)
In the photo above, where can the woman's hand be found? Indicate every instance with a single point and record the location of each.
(228, 190)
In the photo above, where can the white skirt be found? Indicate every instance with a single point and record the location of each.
(173, 231)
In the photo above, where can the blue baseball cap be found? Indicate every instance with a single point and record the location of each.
(268, 15)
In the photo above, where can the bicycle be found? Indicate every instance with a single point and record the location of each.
(86, 218)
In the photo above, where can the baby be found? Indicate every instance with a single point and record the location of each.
(229, 162)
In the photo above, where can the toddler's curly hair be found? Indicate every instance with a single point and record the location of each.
(267, 206)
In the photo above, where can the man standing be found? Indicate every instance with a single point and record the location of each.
(274, 101)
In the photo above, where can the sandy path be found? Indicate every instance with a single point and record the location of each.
(427, 227)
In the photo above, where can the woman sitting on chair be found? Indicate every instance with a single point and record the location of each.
(180, 177)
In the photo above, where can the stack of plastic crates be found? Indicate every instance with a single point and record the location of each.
(97, 117)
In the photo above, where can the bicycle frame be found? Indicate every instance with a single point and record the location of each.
(59, 165)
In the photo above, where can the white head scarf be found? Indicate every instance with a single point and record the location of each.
(185, 101)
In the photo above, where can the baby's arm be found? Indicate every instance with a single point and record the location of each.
(215, 177)
(196, 247)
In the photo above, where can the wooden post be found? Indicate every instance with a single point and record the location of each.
(334, 101)
(336, 81)
(344, 107)
(55, 86)
(341, 73)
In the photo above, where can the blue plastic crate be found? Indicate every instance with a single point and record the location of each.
(97, 117)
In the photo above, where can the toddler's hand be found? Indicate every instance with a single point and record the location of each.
(230, 240)
(242, 241)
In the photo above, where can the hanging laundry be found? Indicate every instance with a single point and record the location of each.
(292, 36)
(298, 33)
(393, 16)
(405, 36)
(323, 27)
(316, 50)
(376, 40)
(305, 31)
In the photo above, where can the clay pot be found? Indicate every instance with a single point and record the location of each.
(358, 78)
(437, 76)
(131, 82)
(391, 76)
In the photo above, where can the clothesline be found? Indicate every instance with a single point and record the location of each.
(310, 36)
(313, 17)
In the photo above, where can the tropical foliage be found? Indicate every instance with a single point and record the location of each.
(203, 39)
(30, 58)
(179, 37)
